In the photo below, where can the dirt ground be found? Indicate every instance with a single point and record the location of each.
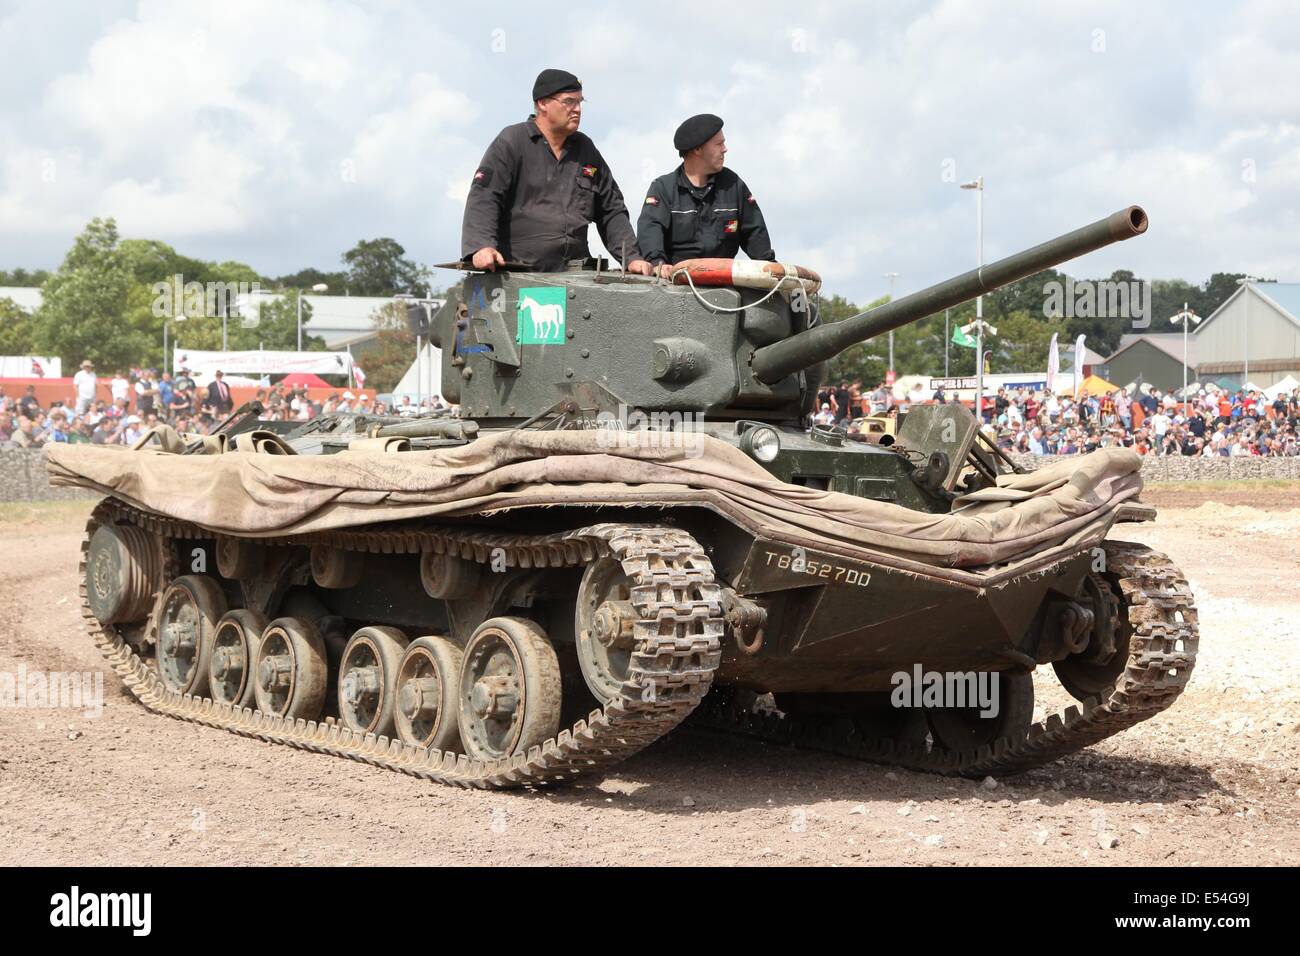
(1213, 780)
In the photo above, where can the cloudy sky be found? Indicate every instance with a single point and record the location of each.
(281, 133)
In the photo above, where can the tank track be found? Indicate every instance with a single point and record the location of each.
(678, 648)
(1162, 651)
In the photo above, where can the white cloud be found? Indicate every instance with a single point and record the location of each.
(283, 133)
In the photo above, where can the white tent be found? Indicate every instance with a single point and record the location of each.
(1284, 387)
(423, 379)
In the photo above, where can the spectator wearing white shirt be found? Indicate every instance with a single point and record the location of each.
(120, 387)
(1053, 406)
(85, 382)
(1159, 425)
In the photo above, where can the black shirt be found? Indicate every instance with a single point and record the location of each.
(842, 409)
(680, 220)
(534, 208)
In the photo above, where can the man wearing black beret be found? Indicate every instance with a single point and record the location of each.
(701, 209)
(540, 184)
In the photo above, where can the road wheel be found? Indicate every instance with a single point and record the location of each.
(963, 728)
(366, 677)
(428, 692)
(234, 649)
(509, 689)
(186, 620)
(292, 670)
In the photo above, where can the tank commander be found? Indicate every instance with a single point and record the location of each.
(540, 184)
(702, 209)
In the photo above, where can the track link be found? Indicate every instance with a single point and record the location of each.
(677, 649)
(1158, 604)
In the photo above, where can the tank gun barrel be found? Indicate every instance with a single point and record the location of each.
(773, 362)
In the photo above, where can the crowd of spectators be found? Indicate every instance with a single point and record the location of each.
(1210, 421)
(1207, 422)
(145, 399)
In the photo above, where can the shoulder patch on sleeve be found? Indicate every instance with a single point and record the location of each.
(751, 200)
(590, 171)
(483, 176)
(652, 200)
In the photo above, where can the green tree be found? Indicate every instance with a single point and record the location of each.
(84, 308)
(150, 261)
(17, 329)
(386, 358)
(1023, 341)
(379, 267)
(1168, 297)
(276, 328)
(336, 282)
(1023, 295)
(919, 347)
(24, 279)
(866, 362)
(1217, 289)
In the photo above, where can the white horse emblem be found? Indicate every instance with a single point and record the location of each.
(547, 320)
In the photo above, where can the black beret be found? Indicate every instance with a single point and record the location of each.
(696, 131)
(550, 82)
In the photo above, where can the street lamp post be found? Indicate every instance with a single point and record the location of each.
(318, 287)
(1183, 316)
(947, 340)
(1245, 356)
(977, 184)
(167, 361)
(891, 276)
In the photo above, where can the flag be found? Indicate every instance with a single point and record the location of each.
(37, 369)
(1079, 352)
(359, 375)
(1053, 363)
(960, 337)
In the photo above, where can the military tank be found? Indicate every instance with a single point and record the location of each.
(629, 525)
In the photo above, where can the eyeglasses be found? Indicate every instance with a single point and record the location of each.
(571, 103)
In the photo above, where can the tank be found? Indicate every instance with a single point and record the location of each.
(629, 529)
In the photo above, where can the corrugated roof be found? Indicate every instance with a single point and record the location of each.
(1283, 295)
(1286, 295)
(1171, 343)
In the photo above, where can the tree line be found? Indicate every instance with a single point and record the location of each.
(101, 303)
(1024, 330)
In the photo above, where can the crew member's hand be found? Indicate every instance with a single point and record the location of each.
(640, 267)
(665, 270)
(487, 258)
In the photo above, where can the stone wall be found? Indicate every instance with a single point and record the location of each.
(23, 478)
(1157, 468)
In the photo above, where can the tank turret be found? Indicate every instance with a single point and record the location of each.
(517, 344)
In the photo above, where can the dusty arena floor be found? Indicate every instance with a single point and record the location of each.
(1214, 780)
